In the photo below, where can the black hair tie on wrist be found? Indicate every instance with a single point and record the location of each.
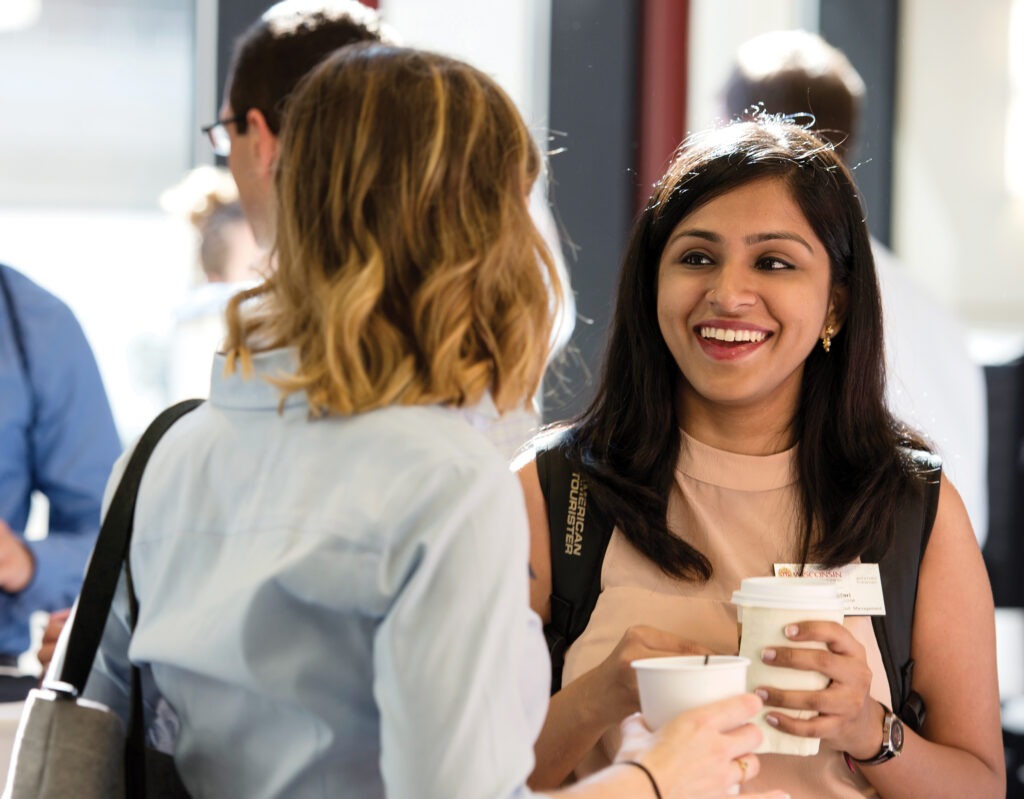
(646, 771)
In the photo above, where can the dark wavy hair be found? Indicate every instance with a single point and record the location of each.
(852, 460)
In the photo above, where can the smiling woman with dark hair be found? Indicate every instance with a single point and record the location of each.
(740, 424)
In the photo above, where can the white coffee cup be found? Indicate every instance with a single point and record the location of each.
(671, 685)
(764, 607)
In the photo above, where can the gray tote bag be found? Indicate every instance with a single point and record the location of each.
(67, 746)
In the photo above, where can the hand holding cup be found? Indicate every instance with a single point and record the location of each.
(704, 753)
(766, 607)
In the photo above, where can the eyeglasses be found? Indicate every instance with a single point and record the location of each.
(217, 132)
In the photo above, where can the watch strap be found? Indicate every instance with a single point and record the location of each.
(888, 750)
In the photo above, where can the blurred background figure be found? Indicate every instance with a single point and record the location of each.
(228, 259)
(58, 439)
(208, 197)
(932, 383)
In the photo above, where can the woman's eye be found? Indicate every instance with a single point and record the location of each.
(695, 259)
(773, 264)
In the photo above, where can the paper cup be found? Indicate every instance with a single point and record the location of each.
(764, 607)
(671, 685)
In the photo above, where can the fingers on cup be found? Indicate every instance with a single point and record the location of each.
(835, 635)
(817, 727)
(729, 714)
(821, 660)
(817, 701)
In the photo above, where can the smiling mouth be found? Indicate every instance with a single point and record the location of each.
(731, 336)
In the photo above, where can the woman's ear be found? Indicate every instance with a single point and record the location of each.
(837, 308)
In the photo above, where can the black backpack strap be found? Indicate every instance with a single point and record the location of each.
(579, 534)
(899, 566)
(110, 553)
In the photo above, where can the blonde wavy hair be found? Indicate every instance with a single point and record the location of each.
(409, 270)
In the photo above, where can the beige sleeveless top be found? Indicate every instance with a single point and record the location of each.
(739, 510)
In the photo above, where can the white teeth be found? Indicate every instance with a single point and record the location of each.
(720, 334)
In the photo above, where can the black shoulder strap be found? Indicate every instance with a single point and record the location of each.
(109, 554)
(579, 537)
(899, 566)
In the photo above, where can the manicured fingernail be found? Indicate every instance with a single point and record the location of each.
(768, 655)
(772, 720)
(792, 631)
(761, 692)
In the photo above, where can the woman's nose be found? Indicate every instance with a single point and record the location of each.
(730, 288)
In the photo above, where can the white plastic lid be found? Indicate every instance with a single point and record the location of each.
(788, 592)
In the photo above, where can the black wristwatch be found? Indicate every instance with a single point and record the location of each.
(892, 740)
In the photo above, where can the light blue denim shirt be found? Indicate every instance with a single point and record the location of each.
(335, 606)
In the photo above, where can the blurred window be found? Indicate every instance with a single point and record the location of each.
(98, 119)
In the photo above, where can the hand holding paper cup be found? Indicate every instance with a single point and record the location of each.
(765, 605)
(672, 685)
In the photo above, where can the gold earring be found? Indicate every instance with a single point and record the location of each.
(826, 340)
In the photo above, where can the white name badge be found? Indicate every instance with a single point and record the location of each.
(859, 584)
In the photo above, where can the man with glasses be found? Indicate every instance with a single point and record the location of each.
(269, 60)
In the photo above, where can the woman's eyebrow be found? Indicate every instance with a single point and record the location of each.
(774, 235)
(697, 233)
(755, 238)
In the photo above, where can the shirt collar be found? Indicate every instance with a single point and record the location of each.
(255, 391)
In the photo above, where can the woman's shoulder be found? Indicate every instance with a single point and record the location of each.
(427, 439)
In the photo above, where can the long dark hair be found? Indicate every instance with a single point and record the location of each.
(852, 461)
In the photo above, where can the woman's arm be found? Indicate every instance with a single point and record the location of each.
(585, 709)
(960, 752)
(574, 723)
(954, 650)
(540, 540)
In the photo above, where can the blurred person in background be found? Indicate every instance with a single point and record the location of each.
(228, 260)
(931, 382)
(58, 438)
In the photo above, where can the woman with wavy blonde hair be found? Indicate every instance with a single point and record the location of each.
(406, 283)
(330, 562)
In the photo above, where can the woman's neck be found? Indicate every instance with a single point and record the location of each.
(744, 430)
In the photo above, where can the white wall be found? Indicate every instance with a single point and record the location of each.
(956, 224)
(510, 41)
